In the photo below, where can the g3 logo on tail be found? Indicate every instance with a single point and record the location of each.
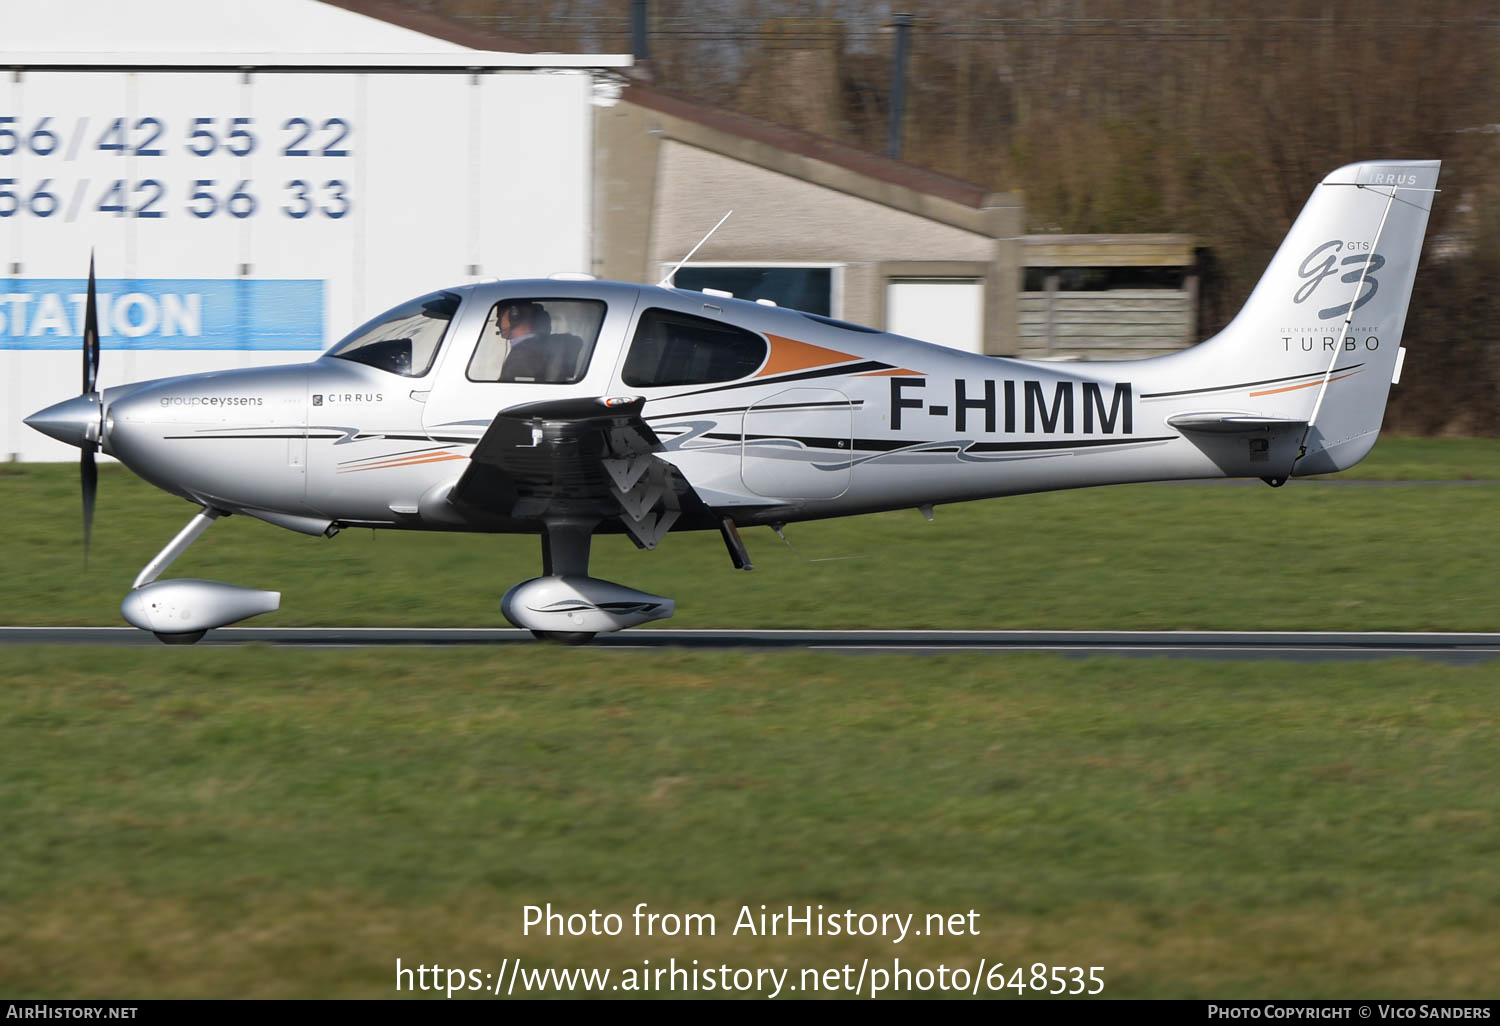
(1314, 270)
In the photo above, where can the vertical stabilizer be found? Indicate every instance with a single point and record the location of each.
(1326, 318)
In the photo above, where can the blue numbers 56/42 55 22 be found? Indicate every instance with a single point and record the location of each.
(234, 137)
(41, 140)
(331, 134)
(141, 141)
(129, 136)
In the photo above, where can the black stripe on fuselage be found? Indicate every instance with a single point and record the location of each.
(1248, 384)
(215, 438)
(890, 445)
(832, 404)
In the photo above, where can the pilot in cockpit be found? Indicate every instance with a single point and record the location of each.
(519, 345)
(526, 327)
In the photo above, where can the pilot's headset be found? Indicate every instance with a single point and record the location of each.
(524, 311)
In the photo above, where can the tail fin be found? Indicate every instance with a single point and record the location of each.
(1323, 326)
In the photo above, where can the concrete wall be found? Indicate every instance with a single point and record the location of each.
(662, 181)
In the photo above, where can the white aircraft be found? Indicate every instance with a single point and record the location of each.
(568, 408)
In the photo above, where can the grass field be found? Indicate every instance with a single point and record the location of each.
(272, 823)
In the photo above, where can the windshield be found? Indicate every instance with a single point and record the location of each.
(403, 340)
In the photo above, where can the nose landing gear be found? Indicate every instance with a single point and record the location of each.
(181, 612)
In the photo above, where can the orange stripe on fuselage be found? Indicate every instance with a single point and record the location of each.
(1308, 384)
(893, 372)
(790, 355)
(397, 464)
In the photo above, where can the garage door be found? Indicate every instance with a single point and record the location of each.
(948, 311)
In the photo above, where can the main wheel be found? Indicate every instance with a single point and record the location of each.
(565, 637)
(187, 638)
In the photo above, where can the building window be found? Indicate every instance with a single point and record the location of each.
(1105, 279)
(809, 289)
(673, 348)
(945, 311)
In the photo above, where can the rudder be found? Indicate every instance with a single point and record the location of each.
(1330, 309)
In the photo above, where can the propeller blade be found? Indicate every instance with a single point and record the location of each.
(88, 473)
(91, 335)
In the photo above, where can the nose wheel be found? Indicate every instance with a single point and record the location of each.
(188, 638)
(181, 612)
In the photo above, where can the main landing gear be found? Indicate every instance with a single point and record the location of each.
(566, 604)
(181, 612)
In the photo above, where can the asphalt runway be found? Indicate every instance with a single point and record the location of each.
(1239, 645)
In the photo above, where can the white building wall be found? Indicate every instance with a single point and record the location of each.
(243, 218)
(204, 26)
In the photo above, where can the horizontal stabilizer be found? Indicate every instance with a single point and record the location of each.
(1230, 422)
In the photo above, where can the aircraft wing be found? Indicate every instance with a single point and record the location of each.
(578, 458)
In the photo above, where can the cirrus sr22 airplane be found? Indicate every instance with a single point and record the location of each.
(568, 408)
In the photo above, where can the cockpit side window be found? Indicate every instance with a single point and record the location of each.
(403, 340)
(542, 341)
(672, 348)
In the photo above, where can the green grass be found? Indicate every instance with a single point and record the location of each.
(264, 822)
(1149, 556)
(271, 823)
(1429, 459)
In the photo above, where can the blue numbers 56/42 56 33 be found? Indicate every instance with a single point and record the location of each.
(330, 200)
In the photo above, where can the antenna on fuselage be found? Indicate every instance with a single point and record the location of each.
(663, 283)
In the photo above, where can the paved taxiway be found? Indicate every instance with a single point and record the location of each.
(1296, 646)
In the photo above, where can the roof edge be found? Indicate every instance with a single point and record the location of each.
(439, 26)
(818, 147)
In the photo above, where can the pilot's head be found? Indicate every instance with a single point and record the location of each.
(520, 319)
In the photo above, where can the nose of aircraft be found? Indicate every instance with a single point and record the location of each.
(74, 421)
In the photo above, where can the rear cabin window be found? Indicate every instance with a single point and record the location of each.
(543, 341)
(673, 348)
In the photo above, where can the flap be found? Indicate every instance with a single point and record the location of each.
(582, 458)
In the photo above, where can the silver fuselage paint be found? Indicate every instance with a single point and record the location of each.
(790, 416)
(342, 441)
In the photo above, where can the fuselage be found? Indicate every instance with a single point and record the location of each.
(566, 408)
(818, 418)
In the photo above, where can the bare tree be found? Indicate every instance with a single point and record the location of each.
(1202, 116)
